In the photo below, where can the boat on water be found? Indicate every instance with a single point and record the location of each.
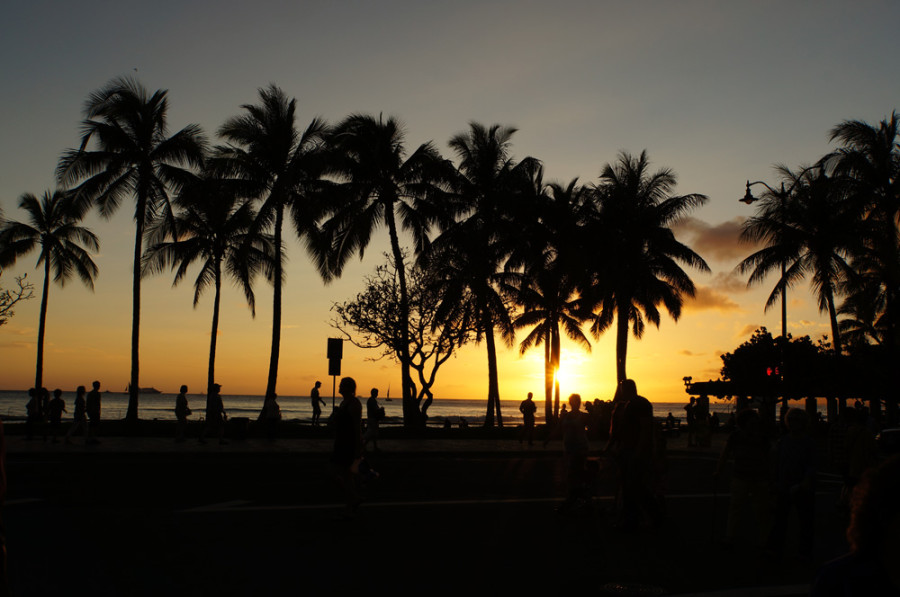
(150, 390)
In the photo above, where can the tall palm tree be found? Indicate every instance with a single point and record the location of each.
(280, 167)
(547, 275)
(870, 157)
(133, 156)
(490, 191)
(813, 233)
(550, 304)
(637, 267)
(53, 225)
(213, 227)
(377, 184)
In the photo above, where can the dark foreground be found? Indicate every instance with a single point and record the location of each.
(149, 517)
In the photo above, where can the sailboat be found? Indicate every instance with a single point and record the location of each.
(388, 397)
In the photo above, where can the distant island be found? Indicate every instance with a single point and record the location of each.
(150, 390)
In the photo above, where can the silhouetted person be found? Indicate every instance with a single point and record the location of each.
(670, 421)
(32, 412)
(215, 416)
(795, 475)
(874, 536)
(572, 427)
(182, 412)
(374, 414)
(45, 410)
(348, 443)
(315, 399)
(750, 490)
(690, 420)
(270, 415)
(528, 408)
(57, 408)
(632, 440)
(79, 417)
(92, 406)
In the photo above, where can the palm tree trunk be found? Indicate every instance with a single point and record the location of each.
(556, 361)
(211, 377)
(835, 330)
(410, 405)
(621, 342)
(276, 305)
(42, 323)
(548, 378)
(134, 385)
(493, 379)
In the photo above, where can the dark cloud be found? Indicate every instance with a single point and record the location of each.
(720, 242)
(730, 282)
(708, 298)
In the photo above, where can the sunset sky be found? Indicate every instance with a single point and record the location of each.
(717, 91)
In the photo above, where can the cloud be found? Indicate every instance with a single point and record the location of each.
(720, 242)
(708, 298)
(730, 282)
(747, 331)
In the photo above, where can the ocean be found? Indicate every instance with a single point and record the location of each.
(161, 407)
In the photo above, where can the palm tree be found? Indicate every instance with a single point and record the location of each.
(213, 228)
(133, 156)
(637, 267)
(550, 303)
(870, 158)
(280, 167)
(812, 232)
(491, 191)
(378, 185)
(53, 225)
(548, 275)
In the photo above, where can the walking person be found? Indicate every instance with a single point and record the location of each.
(795, 475)
(374, 414)
(347, 453)
(79, 417)
(215, 416)
(182, 412)
(92, 406)
(748, 447)
(573, 429)
(57, 408)
(33, 412)
(634, 445)
(270, 415)
(315, 399)
(528, 408)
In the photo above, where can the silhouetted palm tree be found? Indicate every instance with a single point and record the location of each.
(548, 273)
(53, 225)
(870, 158)
(378, 185)
(213, 227)
(813, 233)
(638, 264)
(280, 167)
(134, 156)
(472, 251)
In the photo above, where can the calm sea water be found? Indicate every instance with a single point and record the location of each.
(161, 407)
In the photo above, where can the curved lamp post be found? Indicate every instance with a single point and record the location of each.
(749, 199)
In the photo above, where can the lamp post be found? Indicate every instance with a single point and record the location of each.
(749, 199)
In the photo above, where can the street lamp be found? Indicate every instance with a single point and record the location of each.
(748, 198)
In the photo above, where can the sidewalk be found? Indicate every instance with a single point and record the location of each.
(17, 445)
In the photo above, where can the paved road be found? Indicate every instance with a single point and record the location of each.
(267, 523)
